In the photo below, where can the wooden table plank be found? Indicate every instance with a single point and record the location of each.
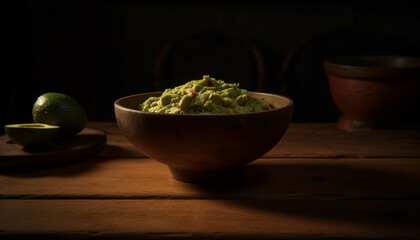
(317, 183)
(271, 178)
(117, 144)
(306, 140)
(215, 219)
(325, 140)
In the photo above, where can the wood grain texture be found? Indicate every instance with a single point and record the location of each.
(285, 178)
(302, 140)
(221, 219)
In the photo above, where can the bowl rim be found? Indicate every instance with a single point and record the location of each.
(333, 67)
(118, 105)
(335, 61)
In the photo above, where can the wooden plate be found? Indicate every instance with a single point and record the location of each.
(87, 143)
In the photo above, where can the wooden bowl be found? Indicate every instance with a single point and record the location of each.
(373, 91)
(203, 147)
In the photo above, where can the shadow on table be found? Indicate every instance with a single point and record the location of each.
(325, 192)
(68, 168)
(75, 168)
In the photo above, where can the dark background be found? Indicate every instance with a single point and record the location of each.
(98, 51)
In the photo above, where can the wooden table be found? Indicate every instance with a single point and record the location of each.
(317, 183)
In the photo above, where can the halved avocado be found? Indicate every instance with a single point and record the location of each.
(31, 134)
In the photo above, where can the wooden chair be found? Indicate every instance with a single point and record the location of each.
(221, 55)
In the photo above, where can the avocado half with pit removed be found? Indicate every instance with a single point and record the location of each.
(31, 134)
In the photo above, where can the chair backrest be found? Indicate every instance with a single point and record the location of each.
(221, 55)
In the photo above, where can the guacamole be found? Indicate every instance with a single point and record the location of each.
(205, 96)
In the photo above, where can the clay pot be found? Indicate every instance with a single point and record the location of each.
(373, 91)
(203, 147)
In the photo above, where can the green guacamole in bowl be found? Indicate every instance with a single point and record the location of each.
(205, 96)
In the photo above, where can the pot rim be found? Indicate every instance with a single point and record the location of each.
(373, 66)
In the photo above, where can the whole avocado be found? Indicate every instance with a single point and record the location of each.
(61, 110)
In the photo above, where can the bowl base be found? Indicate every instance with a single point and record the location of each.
(351, 124)
(204, 176)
